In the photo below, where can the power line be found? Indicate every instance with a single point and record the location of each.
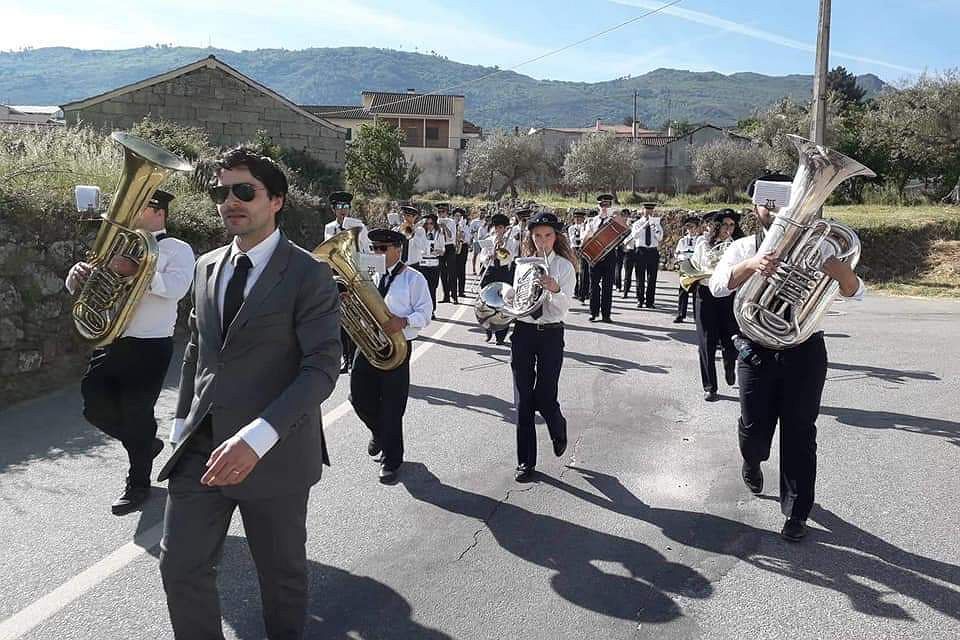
(517, 66)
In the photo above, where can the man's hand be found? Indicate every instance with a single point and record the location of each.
(80, 272)
(230, 463)
(765, 264)
(550, 284)
(123, 266)
(394, 325)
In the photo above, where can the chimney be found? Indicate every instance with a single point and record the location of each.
(598, 124)
(411, 91)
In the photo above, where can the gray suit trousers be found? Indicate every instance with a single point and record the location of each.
(195, 526)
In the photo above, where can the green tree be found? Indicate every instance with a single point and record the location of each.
(507, 156)
(375, 163)
(843, 85)
(600, 161)
(728, 163)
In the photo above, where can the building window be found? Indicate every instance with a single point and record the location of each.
(349, 134)
(436, 133)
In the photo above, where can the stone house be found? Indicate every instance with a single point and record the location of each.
(30, 115)
(214, 96)
(434, 128)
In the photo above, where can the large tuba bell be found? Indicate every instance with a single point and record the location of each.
(498, 304)
(107, 300)
(362, 309)
(785, 309)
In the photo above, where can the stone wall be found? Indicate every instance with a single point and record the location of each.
(39, 348)
(229, 110)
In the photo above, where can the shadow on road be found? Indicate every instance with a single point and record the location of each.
(861, 371)
(482, 403)
(843, 558)
(573, 553)
(867, 419)
(343, 605)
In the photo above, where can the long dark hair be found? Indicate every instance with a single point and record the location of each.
(561, 247)
(715, 230)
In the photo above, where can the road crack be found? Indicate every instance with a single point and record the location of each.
(484, 525)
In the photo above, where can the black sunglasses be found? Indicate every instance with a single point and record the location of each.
(243, 191)
(381, 247)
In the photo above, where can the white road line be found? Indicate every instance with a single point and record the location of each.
(50, 604)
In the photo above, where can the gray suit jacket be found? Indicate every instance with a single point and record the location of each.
(279, 360)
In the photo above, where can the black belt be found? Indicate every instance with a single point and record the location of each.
(543, 326)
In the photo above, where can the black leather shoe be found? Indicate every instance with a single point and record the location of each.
(607, 320)
(131, 500)
(710, 396)
(730, 375)
(157, 447)
(651, 306)
(794, 530)
(445, 300)
(677, 320)
(388, 474)
(373, 447)
(380, 458)
(559, 446)
(639, 305)
(593, 318)
(524, 473)
(752, 477)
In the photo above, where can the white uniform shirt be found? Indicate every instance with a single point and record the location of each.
(476, 229)
(575, 233)
(409, 297)
(450, 227)
(466, 232)
(488, 246)
(555, 305)
(638, 234)
(259, 434)
(415, 245)
(743, 249)
(156, 313)
(433, 248)
(333, 227)
(685, 247)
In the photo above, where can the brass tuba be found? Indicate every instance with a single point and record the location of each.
(785, 309)
(362, 310)
(498, 304)
(106, 302)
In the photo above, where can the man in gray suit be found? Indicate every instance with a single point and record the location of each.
(264, 352)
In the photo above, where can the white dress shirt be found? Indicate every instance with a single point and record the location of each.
(555, 305)
(333, 227)
(638, 236)
(575, 233)
(450, 236)
(409, 297)
(259, 434)
(745, 248)
(415, 245)
(433, 248)
(685, 247)
(156, 313)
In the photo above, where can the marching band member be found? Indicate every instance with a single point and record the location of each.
(341, 202)
(646, 234)
(414, 239)
(498, 268)
(448, 261)
(575, 233)
(380, 397)
(261, 358)
(464, 239)
(123, 379)
(601, 274)
(628, 249)
(536, 347)
(716, 324)
(782, 386)
(478, 231)
(684, 251)
(432, 255)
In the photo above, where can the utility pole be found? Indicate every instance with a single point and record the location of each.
(633, 174)
(819, 115)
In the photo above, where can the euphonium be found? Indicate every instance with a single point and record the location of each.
(691, 273)
(106, 302)
(785, 309)
(362, 310)
(498, 304)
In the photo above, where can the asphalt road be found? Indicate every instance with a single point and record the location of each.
(643, 529)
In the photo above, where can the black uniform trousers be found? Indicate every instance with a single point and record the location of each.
(448, 272)
(497, 273)
(618, 270)
(195, 526)
(582, 290)
(630, 265)
(432, 274)
(786, 387)
(120, 388)
(683, 296)
(536, 359)
(716, 326)
(380, 400)
(601, 286)
(648, 262)
(460, 277)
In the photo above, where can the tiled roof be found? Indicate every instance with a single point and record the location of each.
(409, 103)
(352, 112)
(469, 127)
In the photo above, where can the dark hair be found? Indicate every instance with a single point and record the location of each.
(715, 231)
(263, 168)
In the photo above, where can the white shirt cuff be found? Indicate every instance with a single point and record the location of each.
(260, 435)
(176, 431)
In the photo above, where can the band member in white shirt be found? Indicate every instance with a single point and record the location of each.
(536, 345)
(123, 379)
(414, 239)
(602, 273)
(448, 261)
(478, 228)
(380, 397)
(646, 234)
(432, 255)
(465, 239)
(342, 201)
(627, 262)
(498, 251)
(575, 233)
(684, 251)
(783, 386)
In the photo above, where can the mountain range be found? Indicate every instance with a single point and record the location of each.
(336, 76)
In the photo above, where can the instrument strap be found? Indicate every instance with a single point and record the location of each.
(162, 236)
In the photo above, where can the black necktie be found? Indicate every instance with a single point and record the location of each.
(646, 234)
(406, 250)
(384, 285)
(233, 298)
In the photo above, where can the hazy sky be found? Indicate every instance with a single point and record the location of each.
(894, 40)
